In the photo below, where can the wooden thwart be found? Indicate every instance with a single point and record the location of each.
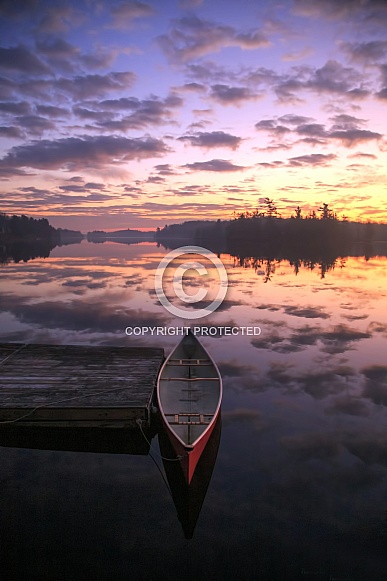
(202, 421)
(189, 379)
(189, 362)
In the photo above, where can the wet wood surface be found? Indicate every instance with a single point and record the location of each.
(73, 383)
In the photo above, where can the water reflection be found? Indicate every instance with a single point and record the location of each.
(300, 478)
(22, 252)
(188, 498)
(97, 440)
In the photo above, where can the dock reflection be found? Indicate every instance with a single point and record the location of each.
(99, 440)
(189, 499)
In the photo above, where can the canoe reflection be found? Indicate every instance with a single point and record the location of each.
(189, 498)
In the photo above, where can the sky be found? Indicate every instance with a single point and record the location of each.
(134, 114)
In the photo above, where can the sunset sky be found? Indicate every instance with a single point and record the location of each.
(137, 114)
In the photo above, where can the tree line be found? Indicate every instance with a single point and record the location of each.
(263, 232)
(23, 238)
(19, 228)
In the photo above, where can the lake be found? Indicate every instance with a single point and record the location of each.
(299, 487)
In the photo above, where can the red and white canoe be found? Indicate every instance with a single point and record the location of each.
(189, 393)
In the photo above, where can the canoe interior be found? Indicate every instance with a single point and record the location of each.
(189, 390)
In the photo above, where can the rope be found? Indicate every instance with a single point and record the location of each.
(13, 353)
(178, 457)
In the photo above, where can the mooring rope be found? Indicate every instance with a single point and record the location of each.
(178, 456)
(13, 353)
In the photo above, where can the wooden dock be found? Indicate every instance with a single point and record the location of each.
(77, 386)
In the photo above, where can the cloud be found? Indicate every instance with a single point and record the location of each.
(22, 60)
(124, 14)
(95, 186)
(298, 55)
(244, 416)
(312, 445)
(376, 327)
(84, 113)
(190, 3)
(11, 132)
(165, 169)
(340, 338)
(59, 19)
(366, 52)
(76, 152)
(352, 137)
(322, 384)
(345, 128)
(208, 72)
(272, 128)
(333, 10)
(81, 86)
(7, 88)
(331, 79)
(313, 159)
(218, 165)
(34, 124)
(376, 384)
(363, 155)
(11, 9)
(228, 95)
(235, 369)
(307, 312)
(212, 139)
(311, 129)
(16, 108)
(193, 37)
(382, 94)
(151, 111)
(86, 86)
(371, 448)
(334, 340)
(82, 315)
(56, 47)
(192, 87)
(287, 88)
(61, 55)
(348, 405)
(52, 111)
(271, 341)
(292, 119)
(8, 172)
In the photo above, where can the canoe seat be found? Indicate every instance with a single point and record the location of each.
(190, 362)
(189, 378)
(181, 419)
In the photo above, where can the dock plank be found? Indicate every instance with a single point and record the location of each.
(67, 383)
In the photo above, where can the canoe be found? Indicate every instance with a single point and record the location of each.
(189, 394)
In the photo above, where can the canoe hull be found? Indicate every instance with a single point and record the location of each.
(189, 393)
(188, 456)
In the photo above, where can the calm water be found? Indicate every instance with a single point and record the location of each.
(299, 488)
